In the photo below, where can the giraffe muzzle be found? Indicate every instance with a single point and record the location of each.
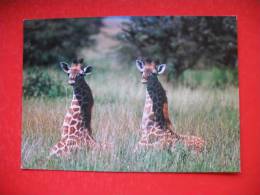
(143, 80)
(71, 82)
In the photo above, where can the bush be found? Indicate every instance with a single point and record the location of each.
(214, 77)
(38, 83)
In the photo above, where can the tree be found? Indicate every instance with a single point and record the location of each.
(47, 41)
(182, 42)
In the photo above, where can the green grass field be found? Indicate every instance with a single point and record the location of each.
(211, 113)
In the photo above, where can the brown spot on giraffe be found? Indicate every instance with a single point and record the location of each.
(67, 119)
(76, 115)
(78, 125)
(72, 130)
(76, 109)
(65, 129)
(156, 127)
(73, 122)
(60, 144)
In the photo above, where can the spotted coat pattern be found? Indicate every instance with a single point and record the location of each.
(157, 129)
(76, 128)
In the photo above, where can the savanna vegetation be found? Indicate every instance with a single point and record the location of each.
(183, 43)
(203, 101)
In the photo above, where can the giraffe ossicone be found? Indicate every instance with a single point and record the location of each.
(76, 128)
(157, 129)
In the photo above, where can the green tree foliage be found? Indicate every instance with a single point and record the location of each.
(47, 41)
(182, 42)
(38, 83)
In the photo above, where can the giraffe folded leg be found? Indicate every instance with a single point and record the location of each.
(60, 149)
(72, 143)
(193, 143)
(157, 139)
(169, 139)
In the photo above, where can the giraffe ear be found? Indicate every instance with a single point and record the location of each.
(64, 66)
(87, 70)
(81, 60)
(161, 68)
(140, 65)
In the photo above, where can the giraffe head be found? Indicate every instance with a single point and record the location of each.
(76, 71)
(148, 68)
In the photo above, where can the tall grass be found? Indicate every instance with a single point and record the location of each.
(119, 100)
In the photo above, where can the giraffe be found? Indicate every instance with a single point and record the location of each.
(76, 128)
(157, 129)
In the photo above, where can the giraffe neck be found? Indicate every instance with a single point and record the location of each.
(153, 115)
(73, 118)
(82, 93)
(78, 117)
(148, 114)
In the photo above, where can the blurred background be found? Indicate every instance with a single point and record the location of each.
(199, 51)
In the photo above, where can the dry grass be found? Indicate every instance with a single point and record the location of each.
(119, 99)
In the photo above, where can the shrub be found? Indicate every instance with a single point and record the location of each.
(214, 77)
(38, 83)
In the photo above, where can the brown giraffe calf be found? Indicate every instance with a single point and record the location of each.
(156, 127)
(76, 128)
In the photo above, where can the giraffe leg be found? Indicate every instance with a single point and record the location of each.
(155, 139)
(142, 144)
(60, 149)
(168, 139)
(65, 146)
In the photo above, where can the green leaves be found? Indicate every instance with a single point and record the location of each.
(39, 83)
(48, 41)
(183, 42)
